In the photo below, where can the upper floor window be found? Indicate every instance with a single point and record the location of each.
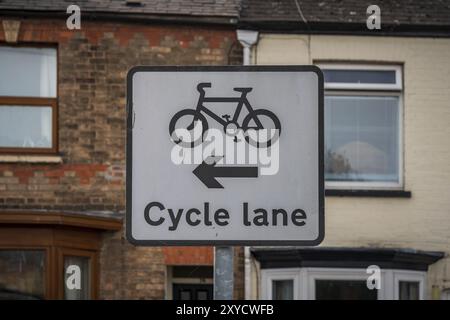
(363, 115)
(28, 100)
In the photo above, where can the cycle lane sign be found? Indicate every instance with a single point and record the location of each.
(225, 155)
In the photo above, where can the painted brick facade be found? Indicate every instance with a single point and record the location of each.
(421, 222)
(90, 176)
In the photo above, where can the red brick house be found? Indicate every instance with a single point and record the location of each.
(62, 166)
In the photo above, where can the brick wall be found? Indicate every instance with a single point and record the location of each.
(205, 256)
(186, 256)
(92, 67)
(129, 272)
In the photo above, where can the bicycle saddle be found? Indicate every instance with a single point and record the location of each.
(243, 90)
(202, 85)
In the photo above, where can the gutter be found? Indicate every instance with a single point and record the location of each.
(128, 17)
(345, 28)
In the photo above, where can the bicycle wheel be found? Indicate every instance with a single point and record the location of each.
(269, 121)
(187, 119)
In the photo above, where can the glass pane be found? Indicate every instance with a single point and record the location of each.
(344, 290)
(77, 282)
(409, 290)
(27, 72)
(185, 295)
(361, 138)
(25, 127)
(283, 290)
(202, 295)
(22, 275)
(359, 76)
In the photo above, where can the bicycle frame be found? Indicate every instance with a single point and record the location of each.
(241, 101)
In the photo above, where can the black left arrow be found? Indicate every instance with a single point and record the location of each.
(207, 173)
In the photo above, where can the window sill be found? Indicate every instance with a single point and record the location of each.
(55, 159)
(368, 193)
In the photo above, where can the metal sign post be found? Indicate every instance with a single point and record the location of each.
(223, 273)
(225, 156)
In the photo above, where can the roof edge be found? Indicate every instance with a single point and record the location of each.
(345, 28)
(344, 257)
(130, 17)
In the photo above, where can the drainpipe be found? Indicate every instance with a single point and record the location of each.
(247, 38)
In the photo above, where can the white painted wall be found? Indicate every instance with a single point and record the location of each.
(423, 221)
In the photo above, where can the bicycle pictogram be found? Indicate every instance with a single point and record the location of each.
(265, 123)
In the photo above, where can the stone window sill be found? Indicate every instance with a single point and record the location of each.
(368, 193)
(50, 159)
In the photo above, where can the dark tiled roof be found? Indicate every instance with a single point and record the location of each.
(393, 12)
(260, 14)
(223, 8)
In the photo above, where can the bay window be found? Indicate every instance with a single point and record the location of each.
(340, 284)
(51, 255)
(341, 273)
(28, 100)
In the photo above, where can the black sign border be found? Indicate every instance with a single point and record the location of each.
(129, 154)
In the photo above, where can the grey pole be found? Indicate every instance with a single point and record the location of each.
(223, 256)
(223, 273)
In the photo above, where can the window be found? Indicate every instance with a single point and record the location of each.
(77, 274)
(409, 285)
(282, 289)
(22, 274)
(409, 290)
(280, 284)
(314, 283)
(340, 284)
(343, 290)
(42, 264)
(28, 104)
(363, 126)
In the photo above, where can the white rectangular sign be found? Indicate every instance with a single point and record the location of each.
(225, 155)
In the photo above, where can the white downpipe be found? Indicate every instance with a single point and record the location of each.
(247, 38)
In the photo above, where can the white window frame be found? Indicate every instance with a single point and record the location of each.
(409, 276)
(362, 89)
(338, 274)
(270, 275)
(397, 86)
(304, 280)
